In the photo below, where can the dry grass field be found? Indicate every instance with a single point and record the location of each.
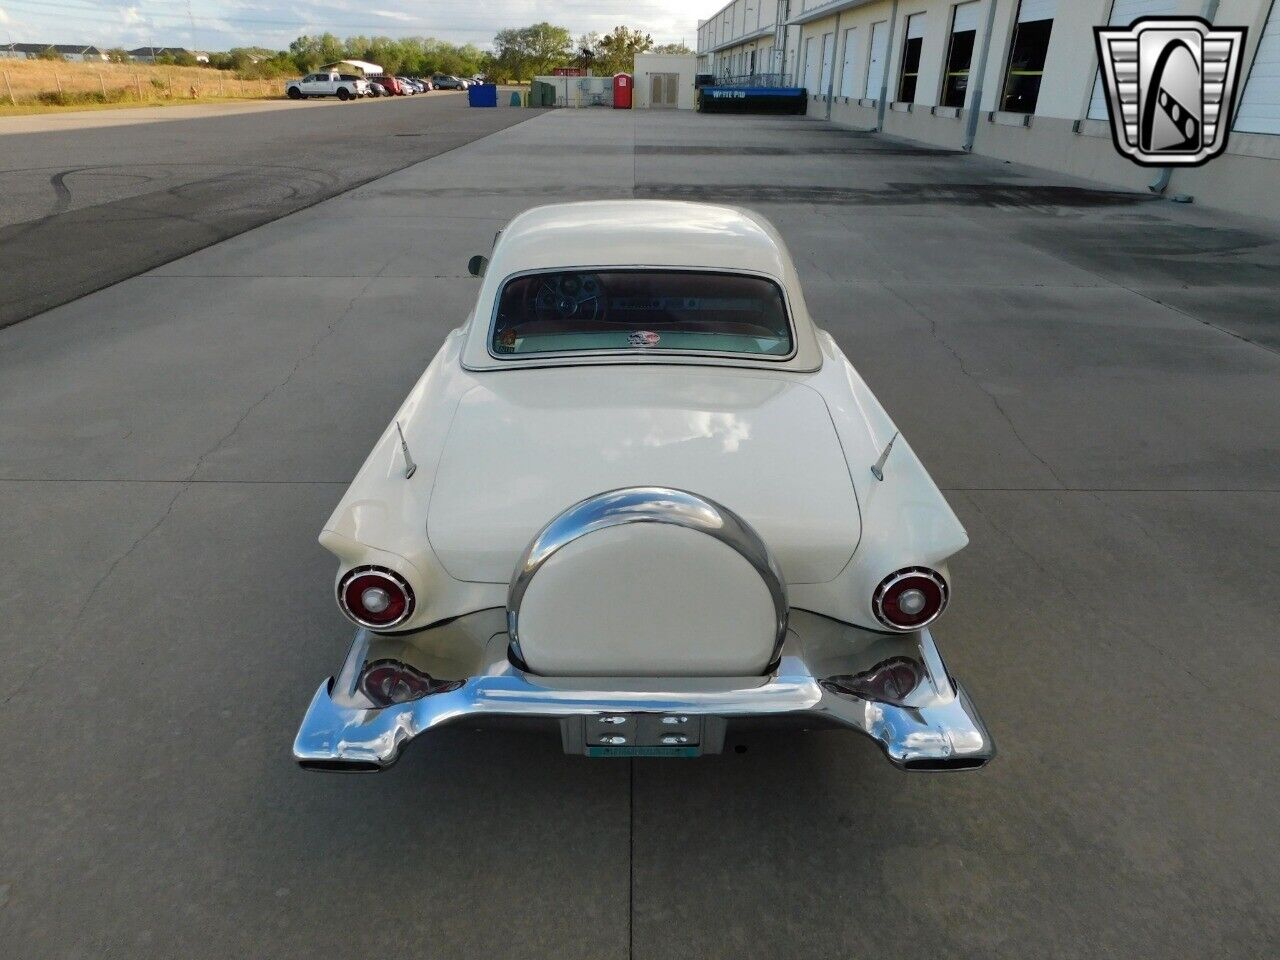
(29, 85)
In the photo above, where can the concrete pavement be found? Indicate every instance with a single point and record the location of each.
(1092, 376)
(91, 198)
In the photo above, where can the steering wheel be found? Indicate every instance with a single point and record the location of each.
(568, 296)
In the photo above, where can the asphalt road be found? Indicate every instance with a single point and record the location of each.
(95, 197)
(1092, 377)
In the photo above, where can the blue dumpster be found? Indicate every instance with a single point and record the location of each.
(483, 95)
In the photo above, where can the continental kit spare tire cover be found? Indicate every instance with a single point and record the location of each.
(647, 581)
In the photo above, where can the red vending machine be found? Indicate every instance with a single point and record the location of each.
(622, 84)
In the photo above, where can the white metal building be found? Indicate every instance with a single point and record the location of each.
(1015, 79)
(664, 80)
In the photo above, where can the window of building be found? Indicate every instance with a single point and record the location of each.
(1027, 55)
(964, 33)
(912, 45)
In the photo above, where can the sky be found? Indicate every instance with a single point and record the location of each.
(222, 24)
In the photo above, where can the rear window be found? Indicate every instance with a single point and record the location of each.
(641, 310)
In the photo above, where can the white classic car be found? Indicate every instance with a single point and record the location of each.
(640, 498)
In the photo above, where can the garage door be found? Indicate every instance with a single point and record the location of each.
(1123, 13)
(828, 60)
(1029, 11)
(1260, 105)
(876, 64)
(965, 17)
(849, 72)
(810, 66)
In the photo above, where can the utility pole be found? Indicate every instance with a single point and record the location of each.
(191, 18)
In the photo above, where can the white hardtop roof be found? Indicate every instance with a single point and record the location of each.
(363, 65)
(639, 233)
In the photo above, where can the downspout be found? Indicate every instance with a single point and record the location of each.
(884, 78)
(800, 60)
(780, 30)
(975, 105)
(831, 84)
(1161, 183)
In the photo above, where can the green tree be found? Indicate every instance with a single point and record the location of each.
(616, 52)
(673, 48)
(531, 51)
(49, 53)
(117, 55)
(310, 52)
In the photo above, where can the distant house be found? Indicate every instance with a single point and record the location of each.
(77, 52)
(33, 51)
(152, 54)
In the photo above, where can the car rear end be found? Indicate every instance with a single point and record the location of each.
(638, 505)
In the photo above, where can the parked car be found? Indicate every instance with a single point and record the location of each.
(392, 84)
(368, 87)
(640, 497)
(413, 85)
(444, 81)
(427, 85)
(377, 89)
(326, 85)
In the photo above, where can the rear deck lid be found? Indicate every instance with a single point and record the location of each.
(526, 444)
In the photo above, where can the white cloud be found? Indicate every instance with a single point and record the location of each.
(221, 24)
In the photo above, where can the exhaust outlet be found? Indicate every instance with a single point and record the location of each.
(946, 763)
(341, 766)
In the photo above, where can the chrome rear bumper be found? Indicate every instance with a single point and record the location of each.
(936, 726)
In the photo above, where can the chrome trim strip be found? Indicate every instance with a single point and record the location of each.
(346, 685)
(934, 666)
(649, 505)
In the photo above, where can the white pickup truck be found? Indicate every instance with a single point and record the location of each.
(325, 85)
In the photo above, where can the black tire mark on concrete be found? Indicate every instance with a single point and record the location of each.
(73, 252)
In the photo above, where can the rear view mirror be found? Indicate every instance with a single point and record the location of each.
(476, 265)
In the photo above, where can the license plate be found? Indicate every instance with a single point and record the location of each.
(641, 751)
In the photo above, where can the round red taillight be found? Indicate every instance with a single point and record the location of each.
(910, 599)
(375, 597)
